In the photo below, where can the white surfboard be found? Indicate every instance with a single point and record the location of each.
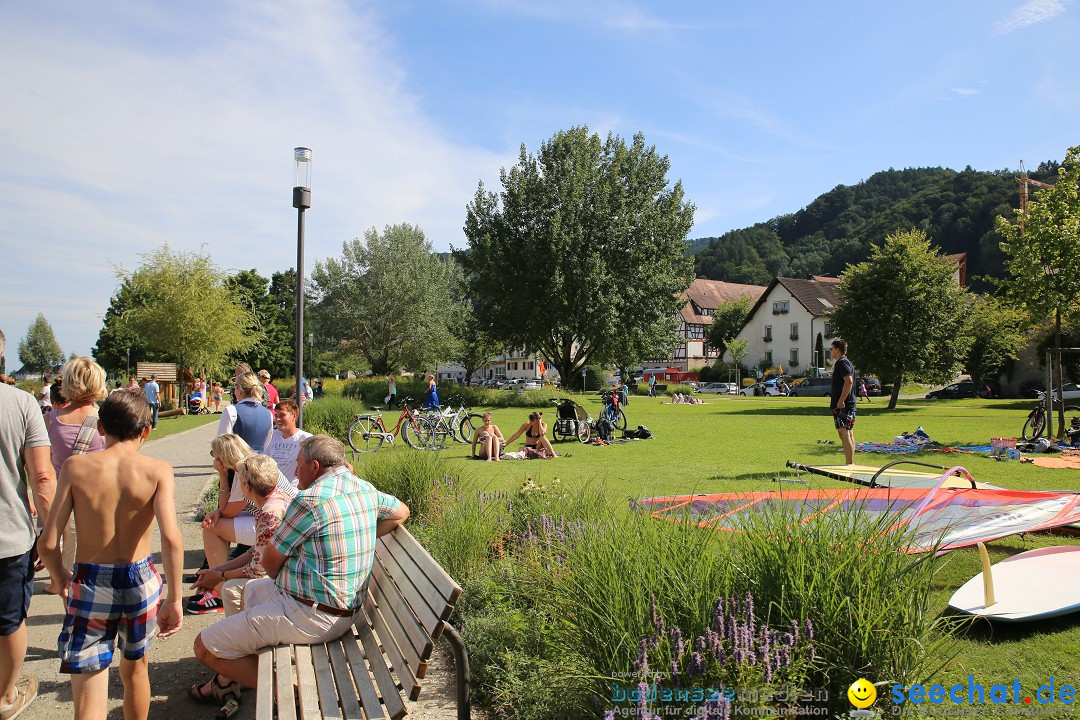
(1033, 585)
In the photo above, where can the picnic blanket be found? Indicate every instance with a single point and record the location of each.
(887, 448)
(1066, 462)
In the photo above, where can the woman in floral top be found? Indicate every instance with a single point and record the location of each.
(259, 481)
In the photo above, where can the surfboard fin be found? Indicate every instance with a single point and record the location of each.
(988, 577)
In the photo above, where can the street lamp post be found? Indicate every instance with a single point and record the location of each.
(301, 200)
(129, 363)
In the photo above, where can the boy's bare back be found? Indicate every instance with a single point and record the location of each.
(114, 493)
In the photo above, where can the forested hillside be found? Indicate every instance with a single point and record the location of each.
(956, 209)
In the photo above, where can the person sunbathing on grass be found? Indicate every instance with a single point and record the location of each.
(535, 435)
(491, 440)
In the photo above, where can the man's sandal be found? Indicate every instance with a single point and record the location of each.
(218, 693)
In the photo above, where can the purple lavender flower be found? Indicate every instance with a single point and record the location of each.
(654, 616)
(678, 646)
(808, 628)
(697, 665)
(609, 715)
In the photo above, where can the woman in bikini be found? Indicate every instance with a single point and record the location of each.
(535, 434)
(490, 438)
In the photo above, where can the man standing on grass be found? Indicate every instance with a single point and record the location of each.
(842, 398)
(25, 470)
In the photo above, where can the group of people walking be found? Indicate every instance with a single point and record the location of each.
(310, 522)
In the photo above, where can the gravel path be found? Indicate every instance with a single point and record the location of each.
(172, 665)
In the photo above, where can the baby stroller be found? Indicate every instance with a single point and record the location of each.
(572, 421)
(196, 406)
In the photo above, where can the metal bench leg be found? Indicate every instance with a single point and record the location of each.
(461, 667)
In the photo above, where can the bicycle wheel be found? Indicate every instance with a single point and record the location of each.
(584, 430)
(468, 425)
(417, 433)
(1036, 423)
(365, 435)
(439, 433)
(620, 420)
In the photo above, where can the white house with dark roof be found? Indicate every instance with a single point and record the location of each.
(783, 325)
(703, 297)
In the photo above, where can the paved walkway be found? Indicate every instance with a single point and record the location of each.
(172, 666)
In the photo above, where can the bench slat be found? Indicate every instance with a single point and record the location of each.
(369, 698)
(350, 704)
(324, 679)
(387, 687)
(305, 683)
(283, 686)
(264, 698)
(388, 566)
(403, 624)
(392, 650)
(401, 543)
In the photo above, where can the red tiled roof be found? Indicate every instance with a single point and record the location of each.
(711, 294)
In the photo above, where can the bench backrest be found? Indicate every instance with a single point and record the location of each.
(409, 599)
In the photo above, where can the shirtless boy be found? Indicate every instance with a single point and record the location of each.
(115, 588)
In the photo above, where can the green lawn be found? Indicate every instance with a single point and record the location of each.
(737, 443)
(179, 423)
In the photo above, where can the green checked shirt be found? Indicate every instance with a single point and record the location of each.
(328, 538)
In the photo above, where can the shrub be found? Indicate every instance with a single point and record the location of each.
(683, 388)
(372, 391)
(420, 479)
(330, 415)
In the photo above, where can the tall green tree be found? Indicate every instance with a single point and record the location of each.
(116, 338)
(388, 297)
(727, 323)
(580, 257)
(738, 350)
(186, 312)
(903, 313)
(997, 336)
(1042, 248)
(39, 350)
(274, 309)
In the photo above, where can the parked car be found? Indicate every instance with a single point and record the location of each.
(714, 388)
(812, 387)
(873, 386)
(520, 384)
(765, 388)
(962, 389)
(1070, 391)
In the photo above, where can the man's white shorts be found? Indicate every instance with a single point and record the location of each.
(270, 617)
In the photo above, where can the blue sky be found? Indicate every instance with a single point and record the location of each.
(129, 125)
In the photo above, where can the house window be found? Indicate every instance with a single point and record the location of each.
(794, 331)
(768, 333)
(530, 365)
(695, 332)
(780, 306)
(828, 330)
(680, 351)
(768, 358)
(793, 359)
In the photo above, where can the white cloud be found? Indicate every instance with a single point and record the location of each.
(964, 92)
(135, 125)
(1030, 13)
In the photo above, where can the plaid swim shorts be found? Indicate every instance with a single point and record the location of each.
(107, 603)
(844, 418)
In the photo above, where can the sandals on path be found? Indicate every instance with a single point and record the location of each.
(218, 693)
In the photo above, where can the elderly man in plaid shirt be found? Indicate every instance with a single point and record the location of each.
(318, 564)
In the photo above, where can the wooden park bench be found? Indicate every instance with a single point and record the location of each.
(408, 600)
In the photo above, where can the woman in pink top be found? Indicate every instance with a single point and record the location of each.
(83, 386)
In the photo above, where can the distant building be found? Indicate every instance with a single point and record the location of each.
(782, 327)
(511, 365)
(703, 298)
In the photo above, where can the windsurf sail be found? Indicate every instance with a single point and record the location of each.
(894, 477)
(933, 519)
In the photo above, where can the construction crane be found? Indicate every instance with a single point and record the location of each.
(1023, 181)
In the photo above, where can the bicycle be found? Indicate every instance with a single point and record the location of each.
(368, 432)
(1036, 419)
(612, 412)
(462, 422)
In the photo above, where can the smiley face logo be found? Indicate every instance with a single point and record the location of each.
(862, 693)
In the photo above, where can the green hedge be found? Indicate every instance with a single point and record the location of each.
(372, 391)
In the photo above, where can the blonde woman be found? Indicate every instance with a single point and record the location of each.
(490, 438)
(73, 427)
(248, 418)
(257, 478)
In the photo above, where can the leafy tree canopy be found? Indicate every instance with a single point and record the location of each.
(997, 336)
(117, 337)
(39, 350)
(580, 257)
(903, 314)
(183, 309)
(728, 321)
(388, 297)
